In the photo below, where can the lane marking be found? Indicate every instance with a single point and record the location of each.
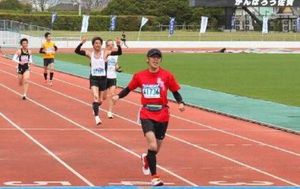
(138, 183)
(68, 167)
(78, 129)
(235, 161)
(36, 183)
(173, 137)
(253, 183)
(192, 122)
(98, 135)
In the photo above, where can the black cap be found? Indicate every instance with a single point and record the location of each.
(152, 52)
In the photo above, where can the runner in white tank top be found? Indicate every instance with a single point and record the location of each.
(98, 59)
(112, 68)
(98, 64)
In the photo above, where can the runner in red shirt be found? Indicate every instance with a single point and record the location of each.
(154, 115)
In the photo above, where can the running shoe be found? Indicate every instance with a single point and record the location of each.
(156, 181)
(145, 165)
(98, 120)
(110, 115)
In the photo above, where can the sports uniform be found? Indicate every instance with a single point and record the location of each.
(48, 49)
(98, 71)
(154, 114)
(23, 60)
(112, 61)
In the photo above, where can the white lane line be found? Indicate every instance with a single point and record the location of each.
(78, 129)
(235, 161)
(198, 124)
(72, 170)
(173, 137)
(98, 135)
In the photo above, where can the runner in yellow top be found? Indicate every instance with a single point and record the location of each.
(48, 49)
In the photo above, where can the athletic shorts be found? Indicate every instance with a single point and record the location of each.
(98, 81)
(110, 83)
(48, 61)
(22, 68)
(158, 128)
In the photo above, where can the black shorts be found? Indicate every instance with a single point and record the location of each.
(48, 61)
(110, 83)
(98, 81)
(22, 68)
(158, 128)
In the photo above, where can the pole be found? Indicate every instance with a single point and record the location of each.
(139, 34)
(79, 7)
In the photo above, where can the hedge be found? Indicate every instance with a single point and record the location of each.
(73, 22)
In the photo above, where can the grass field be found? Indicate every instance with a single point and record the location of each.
(179, 35)
(273, 77)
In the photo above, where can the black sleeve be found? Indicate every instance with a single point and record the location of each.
(79, 51)
(42, 51)
(178, 97)
(55, 48)
(119, 52)
(124, 92)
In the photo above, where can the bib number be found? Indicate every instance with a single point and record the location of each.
(98, 71)
(111, 68)
(151, 91)
(24, 59)
(49, 51)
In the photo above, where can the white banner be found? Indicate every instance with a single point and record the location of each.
(85, 23)
(265, 28)
(144, 21)
(204, 21)
(298, 24)
(53, 18)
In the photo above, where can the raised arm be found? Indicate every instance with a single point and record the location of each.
(82, 52)
(119, 51)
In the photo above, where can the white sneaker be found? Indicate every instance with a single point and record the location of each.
(109, 115)
(145, 166)
(98, 120)
(156, 181)
(50, 83)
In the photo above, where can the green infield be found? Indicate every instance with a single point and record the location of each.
(180, 35)
(273, 77)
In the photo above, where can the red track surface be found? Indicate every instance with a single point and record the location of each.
(201, 147)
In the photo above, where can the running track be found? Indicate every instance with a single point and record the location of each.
(52, 137)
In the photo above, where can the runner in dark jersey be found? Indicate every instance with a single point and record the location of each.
(24, 59)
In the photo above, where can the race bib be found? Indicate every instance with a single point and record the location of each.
(151, 91)
(24, 59)
(97, 71)
(111, 68)
(49, 51)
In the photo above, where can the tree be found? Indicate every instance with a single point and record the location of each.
(161, 8)
(42, 5)
(91, 4)
(11, 5)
